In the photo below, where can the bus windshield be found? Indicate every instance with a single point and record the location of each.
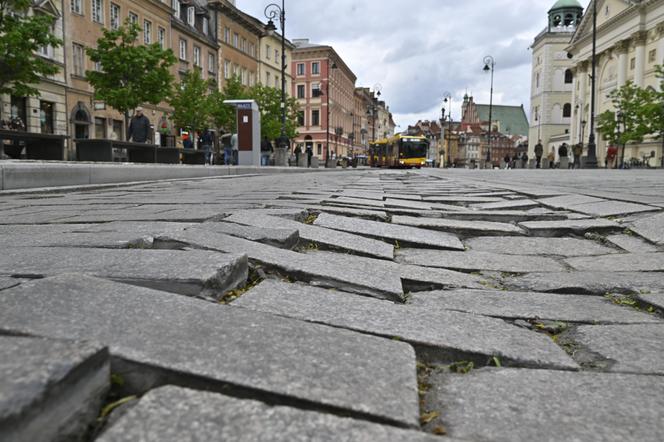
(411, 149)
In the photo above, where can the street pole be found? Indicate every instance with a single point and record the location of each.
(591, 160)
(272, 12)
(489, 65)
(447, 98)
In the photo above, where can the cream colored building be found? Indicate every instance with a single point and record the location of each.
(630, 43)
(269, 62)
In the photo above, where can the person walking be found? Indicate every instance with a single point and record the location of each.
(507, 160)
(539, 151)
(552, 159)
(578, 151)
(562, 153)
(139, 127)
(228, 151)
(310, 153)
(298, 153)
(235, 148)
(206, 142)
(266, 150)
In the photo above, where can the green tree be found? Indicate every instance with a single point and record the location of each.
(191, 102)
(130, 74)
(654, 110)
(633, 103)
(269, 103)
(21, 36)
(223, 115)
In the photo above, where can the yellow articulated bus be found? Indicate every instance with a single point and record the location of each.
(403, 151)
(377, 152)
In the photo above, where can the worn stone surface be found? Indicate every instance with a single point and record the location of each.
(7, 282)
(462, 199)
(646, 262)
(521, 204)
(440, 334)
(656, 299)
(50, 390)
(278, 237)
(188, 273)
(360, 202)
(523, 405)
(538, 246)
(501, 216)
(628, 348)
(475, 261)
(632, 244)
(651, 228)
(597, 283)
(466, 227)
(403, 234)
(320, 235)
(172, 414)
(579, 226)
(612, 208)
(192, 339)
(407, 204)
(532, 305)
(569, 201)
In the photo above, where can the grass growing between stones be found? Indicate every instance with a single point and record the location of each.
(633, 302)
(256, 276)
(423, 387)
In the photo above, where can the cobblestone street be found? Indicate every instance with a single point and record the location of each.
(362, 305)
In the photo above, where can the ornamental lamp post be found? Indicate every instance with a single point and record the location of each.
(620, 115)
(489, 66)
(327, 109)
(272, 12)
(447, 98)
(591, 160)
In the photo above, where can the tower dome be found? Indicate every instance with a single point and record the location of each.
(565, 16)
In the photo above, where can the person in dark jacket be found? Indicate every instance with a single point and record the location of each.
(206, 143)
(139, 127)
(539, 151)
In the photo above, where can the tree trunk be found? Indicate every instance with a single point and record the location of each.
(126, 117)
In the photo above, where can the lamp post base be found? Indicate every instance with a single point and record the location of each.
(281, 157)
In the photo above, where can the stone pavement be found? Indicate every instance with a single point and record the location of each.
(354, 305)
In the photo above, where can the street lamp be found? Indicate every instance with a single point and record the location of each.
(489, 65)
(447, 98)
(327, 109)
(272, 12)
(620, 115)
(591, 160)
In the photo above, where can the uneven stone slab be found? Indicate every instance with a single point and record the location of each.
(332, 270)
(135, 227)
(378, 196)
(286, 238)
(505, 216)
(188, 273)
(568, 201)
(38, 229)
(597, 283)
(160, 338)
(656, 299)
(538, 246)
(524, 405)
(522, 204)
(403, 196)
(377, 215)
(476, 261)
(458, 226)
(631, 244)
(361, 202)
(7, 282)
(50, 390)
(438, 335)
(532, 306)
(644, 262)
(612, 208)
(651, 228)
(407, 204)
(403, 234)
(462, 199)
(578, 226)
(628, 348)
(111, 240)
(320, 235)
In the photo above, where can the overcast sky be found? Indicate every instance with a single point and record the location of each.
(419, 49)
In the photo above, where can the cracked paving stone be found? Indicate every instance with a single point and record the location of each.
(158, 338)
(403, 234)
(353, 202)
(407, 204)
(631, 244)
(505, 216)
(632, 348)
(526, 405)
(462, 199)
(331, 270)
(568, 201)
(651, 228)
(655, 299)
(111, 240)
(320, 235)
(538, 246)
(639, 262)
(50, 390)
(286, 238)
(190, 273)
(8, 282)
(477, 261)
(577, 226)
(438, 335)
(612, 208)
(522, 204)
(532, 305)
(173, 414)
(460, 226)
(597, 283)
(376, 215)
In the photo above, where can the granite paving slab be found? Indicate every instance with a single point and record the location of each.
(188, 273)
(320, 235)
(538, 246)
(632, 244)
(378, 196)
(277, 237)
(437, 335)
(8, 282)
(612, 208)
(111, 240)
(403, 196)
(532, 306)
(50, 390)
(477, 261)
(505, 216)
(37, 229)
(135, 227)
(521, 204)
(462, 199)
(158, 338)
(568, 201)
(361, 202)
(460, 226)
(377, 215)
(525, 405)
(330, 270)
(651, 228)
(656, 299)
(403, 234)
(578, 226)
(173, 414)
(632, 348)
(638, 262)
(597, 283)
(407, 204)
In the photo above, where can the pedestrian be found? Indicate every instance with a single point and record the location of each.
(552, 159)
(228, 150)
(187, 143)
(234, 148)
(562, 153)
(206, 142)
(507, 160)
(612, 157)
(298, 153)
(524, 160)
(578, 151)
(266, 150)
(310, 153)
(539, 151)
(139, 127)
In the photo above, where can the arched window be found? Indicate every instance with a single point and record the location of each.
(569, 20)
(567, 110)
(557, 20)
(569, 77)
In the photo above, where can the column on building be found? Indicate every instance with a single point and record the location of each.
(621, 49)
(640, 55)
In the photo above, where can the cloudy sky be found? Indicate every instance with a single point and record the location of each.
(419, 49)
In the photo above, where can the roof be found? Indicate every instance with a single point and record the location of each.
(566, 4)
(512, 119)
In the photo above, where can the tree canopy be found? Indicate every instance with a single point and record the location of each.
(632, 105)
(223, 115)
(192, 104)
(269, 103)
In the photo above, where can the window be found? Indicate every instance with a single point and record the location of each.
(300, 118)
(537, 80)
(79, 59)
(276, 82)
(652, 55)
(227, 69)
(276, 56)
(183, 49)
(243, 76)
(632, 64)
(567, 110)
(98, 66)
(77, 6)
(315, 90)
(315, 117)
(197, 56)
(236, 40)
(162, 37)
(46, 117)
(320, 149)
(268, 51)
(147, 32)
(252, 49)
(176, 8)
(243, 46)
(267, 79)
(252, 79)
(133, 18)
(191, 16)
(115, 16)
(212, 63)
(315, 68)
(569, 77)
(98, 11)
(227, 35)
(100, 127)
(300, 91)
(300, 69)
